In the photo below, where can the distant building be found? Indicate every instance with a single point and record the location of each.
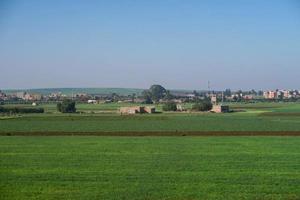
(220, 109)
(28, 97)
(179, 107)
(217, 108)
(136, 110)
(36, 97)
(2, 95)
(214, 99)
(266, 94)
(20, 95)
(270, 95)
(286, 94)
(92, 101)
(248, 97)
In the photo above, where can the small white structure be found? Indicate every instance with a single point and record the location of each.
(34, 104)
(92, 101)
(179, 107)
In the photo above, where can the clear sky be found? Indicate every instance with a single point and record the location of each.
(238, 44)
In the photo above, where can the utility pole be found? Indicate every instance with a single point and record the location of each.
(222, 97)
(208, 86)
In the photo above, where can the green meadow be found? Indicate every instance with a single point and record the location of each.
(149, 167)
(104, 118)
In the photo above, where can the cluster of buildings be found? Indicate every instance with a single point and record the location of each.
(281, 94)
(27, 96)
(259, 95)
(2, 95)
(176, 96)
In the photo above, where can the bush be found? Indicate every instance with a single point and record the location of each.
(67, 106)
(202, 106)
(169, 106)
(20, 110)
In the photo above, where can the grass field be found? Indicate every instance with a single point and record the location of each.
(255, 117)
(149, 168)
(91, 167)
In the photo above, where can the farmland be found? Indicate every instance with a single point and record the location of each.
(149, 167)
(73, 162)
(274, 117)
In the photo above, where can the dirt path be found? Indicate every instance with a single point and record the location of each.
(165, 133)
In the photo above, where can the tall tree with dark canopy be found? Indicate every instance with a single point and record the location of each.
(156, 92)
(147, 96)
(66, 106)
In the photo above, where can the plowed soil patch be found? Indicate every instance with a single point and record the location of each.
(154, 133)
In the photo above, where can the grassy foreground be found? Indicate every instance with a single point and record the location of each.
(149, 167)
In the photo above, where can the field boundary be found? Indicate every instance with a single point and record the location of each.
(156, 133)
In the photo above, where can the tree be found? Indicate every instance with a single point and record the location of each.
(196, 93)
(253, 92)
(66, 106)
(170, 106)
(157, 92)
(227, 93)
(202, 106)
(115, 97)
(133, 97)
(168, 95)
(147, 96)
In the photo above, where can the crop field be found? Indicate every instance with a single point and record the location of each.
(149, 167)
(100, 118)
(73, 162)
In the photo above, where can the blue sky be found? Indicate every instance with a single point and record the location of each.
(238, 44)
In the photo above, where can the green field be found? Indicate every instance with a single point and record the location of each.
(149, 167)
(104, 118)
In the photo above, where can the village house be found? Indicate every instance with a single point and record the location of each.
(136, 110)
(248, 97)
(286, 94)
(220, 109)
(270, 94)
(20, 95)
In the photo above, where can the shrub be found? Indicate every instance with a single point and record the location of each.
(20, 110)
(202, 106)
(66, 106)
(170, 106)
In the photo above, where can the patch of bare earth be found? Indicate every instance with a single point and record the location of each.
(158, 133)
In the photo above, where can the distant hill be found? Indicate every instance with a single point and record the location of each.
(69, 91)
(102, 91)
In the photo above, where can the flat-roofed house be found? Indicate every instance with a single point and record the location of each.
(220, 109)
(149, 109)
(136, 110)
